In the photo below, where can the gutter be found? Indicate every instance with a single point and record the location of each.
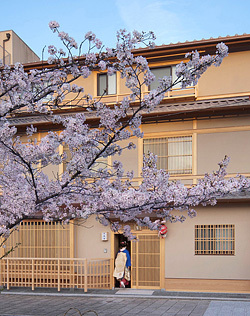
(4, 41)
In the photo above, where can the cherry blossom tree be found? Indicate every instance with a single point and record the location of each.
(89, 186)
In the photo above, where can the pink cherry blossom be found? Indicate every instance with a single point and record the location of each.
(89, 185)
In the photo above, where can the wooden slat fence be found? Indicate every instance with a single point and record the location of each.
(57, 273)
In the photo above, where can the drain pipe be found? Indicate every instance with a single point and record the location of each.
(4, 41)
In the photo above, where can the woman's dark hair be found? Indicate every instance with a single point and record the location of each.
(123, 244)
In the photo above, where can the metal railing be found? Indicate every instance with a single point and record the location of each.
(57, 273)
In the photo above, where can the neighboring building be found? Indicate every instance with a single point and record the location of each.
(13, 49)
(210, 252)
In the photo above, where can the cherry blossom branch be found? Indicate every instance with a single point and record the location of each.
(83, 189)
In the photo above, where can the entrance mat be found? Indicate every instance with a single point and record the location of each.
(134, 292)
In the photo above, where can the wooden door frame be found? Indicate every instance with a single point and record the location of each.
(162, 255)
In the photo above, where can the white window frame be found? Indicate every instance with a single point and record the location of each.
(111, 84)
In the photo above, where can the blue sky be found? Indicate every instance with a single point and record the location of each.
(171, 20)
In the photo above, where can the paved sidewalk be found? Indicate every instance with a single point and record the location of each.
(27, 305)
(222, 308)
(125, 302)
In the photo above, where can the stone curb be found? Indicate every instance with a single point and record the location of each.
(131, 296)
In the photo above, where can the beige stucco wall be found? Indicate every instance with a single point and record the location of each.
(180, 260)
(212, 147)
(8, 47)
(129, 158)
(90, 87)
(88, 243)
(89, 84)
(19, 51)
(231, 77)
(153, 129)
(223, 122)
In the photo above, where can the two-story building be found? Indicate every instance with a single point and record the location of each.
(190, 131)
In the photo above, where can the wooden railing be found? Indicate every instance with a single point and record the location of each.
(57, 273)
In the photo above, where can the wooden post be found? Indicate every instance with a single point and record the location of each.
(33, 276)
(58, 275)
(137, 263)
(112, 254)
(72, 238)
(162, 263)
(8, 281)
(1, 272)
(1, 249)
(112, 280)
(72, 251)
(194, 152)
(118, 86)
(85, 275)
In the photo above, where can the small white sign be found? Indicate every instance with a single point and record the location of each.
(104, 236)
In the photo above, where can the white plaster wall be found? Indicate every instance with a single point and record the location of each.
(180, 258)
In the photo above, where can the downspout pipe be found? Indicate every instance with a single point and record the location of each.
(4, 41)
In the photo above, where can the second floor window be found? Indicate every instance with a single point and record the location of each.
(106, 84)
(173, 153)
(162, 72)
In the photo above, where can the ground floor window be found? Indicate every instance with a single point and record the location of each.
(215, 239)
(40, 239)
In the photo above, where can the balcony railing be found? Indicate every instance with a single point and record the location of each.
(116, 98)
(173, 93)
(57, 273)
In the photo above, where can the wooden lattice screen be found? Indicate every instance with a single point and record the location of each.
(39, 239)
(214, 239)
(146, 261)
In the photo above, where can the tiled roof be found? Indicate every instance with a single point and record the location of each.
(160, 110)
(235, 39)
(203, 105)
(227, 38)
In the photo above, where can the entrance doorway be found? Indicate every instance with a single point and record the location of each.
(118, 238)
(147, 259)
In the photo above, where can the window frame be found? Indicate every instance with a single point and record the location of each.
(172, 172)
(209, 242)
(171, 74)
(40, 239)
(107, 84)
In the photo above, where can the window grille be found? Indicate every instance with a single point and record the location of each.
(173, 153)
(214, 239)
(40, 239)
